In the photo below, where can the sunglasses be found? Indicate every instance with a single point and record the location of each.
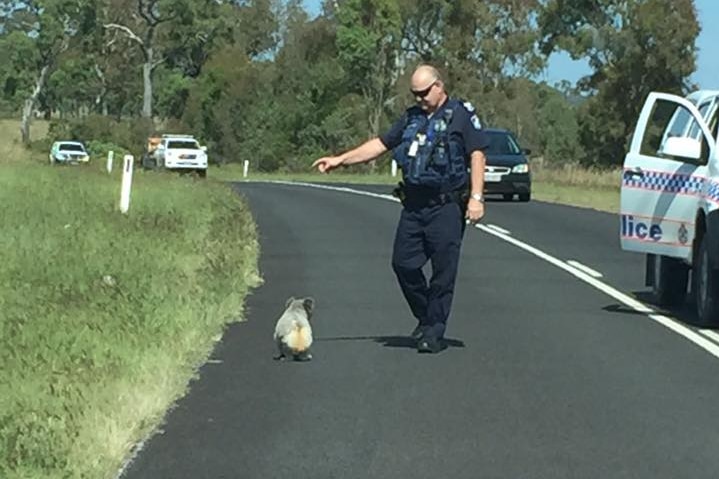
(422, 93)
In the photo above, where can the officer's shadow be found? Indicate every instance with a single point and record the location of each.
(391, 341)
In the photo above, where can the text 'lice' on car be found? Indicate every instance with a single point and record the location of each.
(68, 152)
(507, 169)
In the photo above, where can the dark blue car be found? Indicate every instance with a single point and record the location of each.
(507, 169)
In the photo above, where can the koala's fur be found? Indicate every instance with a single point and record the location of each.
(293, 332)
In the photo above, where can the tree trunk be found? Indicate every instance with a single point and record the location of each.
(29, 106)
(100, 101)
(147, 84)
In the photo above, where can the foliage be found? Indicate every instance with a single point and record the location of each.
(261, 81)
(634, 48)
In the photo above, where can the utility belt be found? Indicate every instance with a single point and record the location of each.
(417, 197)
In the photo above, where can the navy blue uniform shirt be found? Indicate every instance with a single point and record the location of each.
(464, 123)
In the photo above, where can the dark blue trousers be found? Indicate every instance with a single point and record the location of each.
(434, 234)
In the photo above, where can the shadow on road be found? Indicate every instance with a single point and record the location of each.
(684, 313)
(391, 341)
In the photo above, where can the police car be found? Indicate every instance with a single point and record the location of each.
(670, 199)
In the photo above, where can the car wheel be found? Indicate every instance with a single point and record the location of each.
(202, 173)
(706, 282)
(525, 197)
(508, 196)
(671, 277)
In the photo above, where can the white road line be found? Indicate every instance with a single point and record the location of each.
(690, 334)
(710, 334)
(605, 288)
(586, 269)
(498, 229)
(328, 187)
(638, 306)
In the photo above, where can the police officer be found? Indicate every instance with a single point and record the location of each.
(435, 143)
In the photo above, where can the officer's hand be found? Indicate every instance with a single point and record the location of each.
(475, 210)
(324, 165)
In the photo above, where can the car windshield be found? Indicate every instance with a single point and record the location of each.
(182, 145)
(502, 143)
(71, 147)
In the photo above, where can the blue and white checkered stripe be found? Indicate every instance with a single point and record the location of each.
(713, 192)
(666, 182)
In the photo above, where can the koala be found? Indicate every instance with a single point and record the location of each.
(293, 332)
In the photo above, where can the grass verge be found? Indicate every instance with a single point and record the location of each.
(105, 317)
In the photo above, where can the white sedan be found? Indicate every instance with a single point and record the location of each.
(68, 152)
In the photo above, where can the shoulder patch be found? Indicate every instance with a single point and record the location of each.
(468, 106)
(475, 122)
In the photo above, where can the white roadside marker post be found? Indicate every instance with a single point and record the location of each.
(126, 184)
(110, 157)
(394, 168)
(245, 169)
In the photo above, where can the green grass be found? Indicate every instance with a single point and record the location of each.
(570, 185)
(105, 317)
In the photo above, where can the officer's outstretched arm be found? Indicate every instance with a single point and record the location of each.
(367, 151)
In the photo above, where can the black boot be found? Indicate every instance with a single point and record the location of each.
(430, 344)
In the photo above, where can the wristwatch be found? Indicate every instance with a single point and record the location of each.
(478, 197)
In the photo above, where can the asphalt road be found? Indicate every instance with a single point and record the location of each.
(546, 376)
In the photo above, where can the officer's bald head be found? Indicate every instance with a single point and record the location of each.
(428, 88)
(424, 76)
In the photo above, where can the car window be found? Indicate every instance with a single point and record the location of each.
(71, 147)
(679, 122)
(182, 144)
(712, 118)
(662, 122)
(502, 143)
(694, 130)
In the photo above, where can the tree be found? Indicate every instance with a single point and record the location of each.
(479, 43)
(161, 27)
(17, 68)
(558, 127)
(633, 48)
(50, 25)
(368, 42)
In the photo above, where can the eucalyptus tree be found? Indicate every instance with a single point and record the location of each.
(44, 29)
(368, 42)
(632, 47)
(479, 43)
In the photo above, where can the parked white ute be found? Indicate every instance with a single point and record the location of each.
(182, 152)
(670, 199)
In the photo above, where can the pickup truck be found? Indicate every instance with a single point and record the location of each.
(669, 207)
(176, 152)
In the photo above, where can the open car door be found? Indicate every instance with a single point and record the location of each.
(665, 177)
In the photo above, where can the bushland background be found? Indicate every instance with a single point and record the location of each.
(260, 80)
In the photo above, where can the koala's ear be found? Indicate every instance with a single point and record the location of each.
(309, 304)
(289, 301)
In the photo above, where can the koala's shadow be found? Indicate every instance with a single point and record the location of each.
(391, 341)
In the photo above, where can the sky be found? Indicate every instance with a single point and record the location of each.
(706, 76)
